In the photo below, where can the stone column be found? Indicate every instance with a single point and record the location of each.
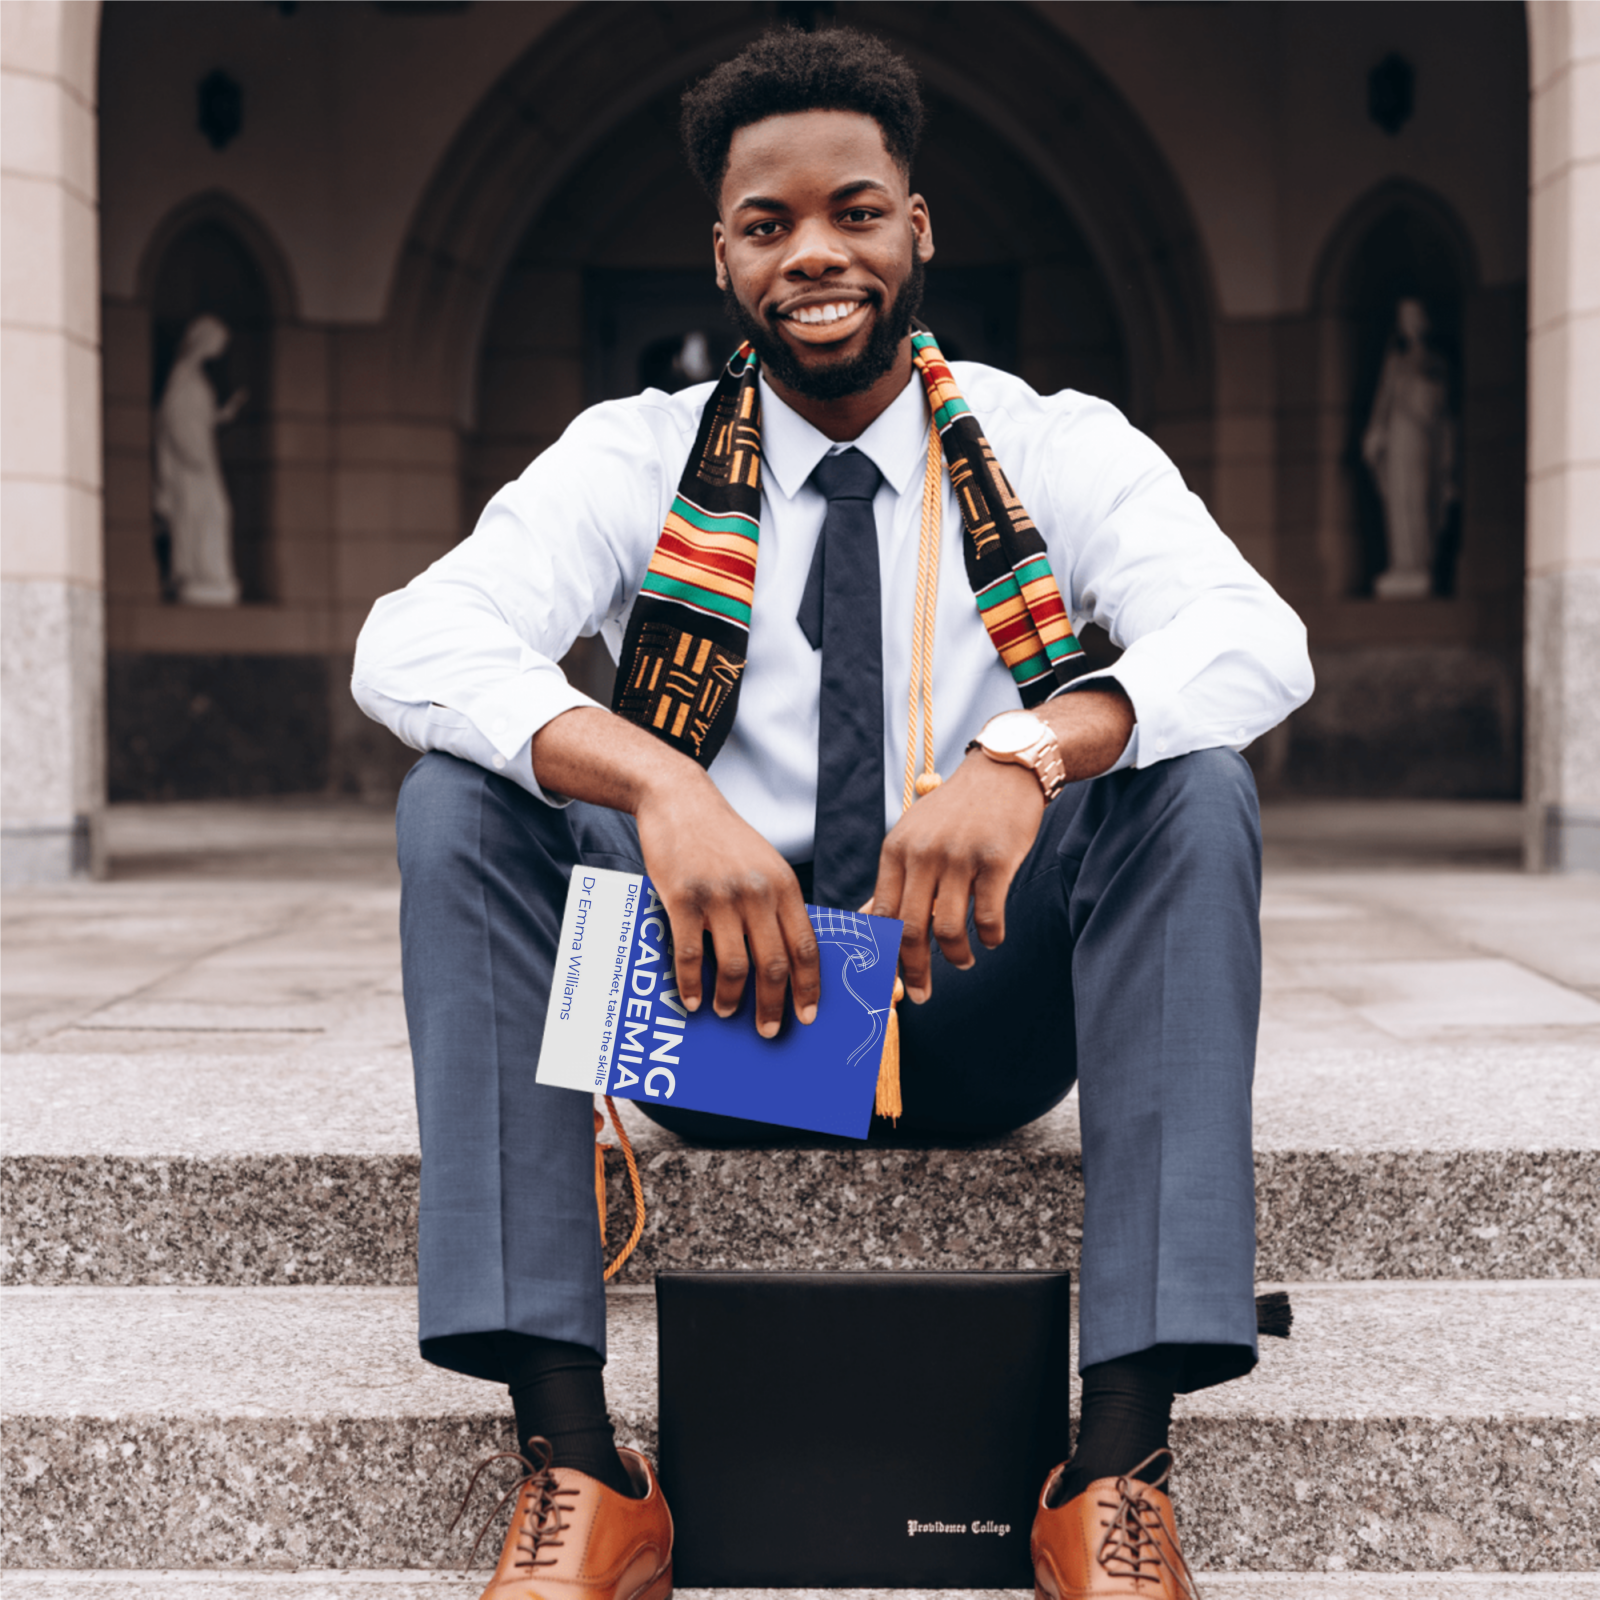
(52, 648)
(1563, 653)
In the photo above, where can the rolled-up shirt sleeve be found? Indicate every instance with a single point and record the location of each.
(464, 658)
(1212, 655)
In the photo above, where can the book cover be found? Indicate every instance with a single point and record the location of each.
(615, 1024)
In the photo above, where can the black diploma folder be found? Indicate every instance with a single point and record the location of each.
(860, 1429)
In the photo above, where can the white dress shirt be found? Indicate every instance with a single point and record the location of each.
(464, 658)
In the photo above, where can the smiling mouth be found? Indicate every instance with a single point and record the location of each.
(825, 321)
(829, 311)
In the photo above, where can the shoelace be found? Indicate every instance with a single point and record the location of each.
(544, 1521)
(1130, 1544)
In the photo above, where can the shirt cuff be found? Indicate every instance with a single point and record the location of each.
(509, 716)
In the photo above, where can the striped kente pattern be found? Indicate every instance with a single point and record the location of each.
(687, 637)
(1006, 561)
(685, 648)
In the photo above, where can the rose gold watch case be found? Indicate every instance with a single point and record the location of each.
(1022, 739)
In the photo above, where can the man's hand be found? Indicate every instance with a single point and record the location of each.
(961, 845)
(715, 874)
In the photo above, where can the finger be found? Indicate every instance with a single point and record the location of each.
(769, 958)
(950, 917)
(989, 906)
(886, 893)
(688, 954)
(805, 959)
(916, 911)
(733, 962)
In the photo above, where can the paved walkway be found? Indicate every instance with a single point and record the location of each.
(1457, 997)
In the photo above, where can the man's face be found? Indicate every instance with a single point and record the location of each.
(819, 249)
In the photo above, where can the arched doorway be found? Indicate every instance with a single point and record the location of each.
(1030, 97)
(619, 262)
(614, 276)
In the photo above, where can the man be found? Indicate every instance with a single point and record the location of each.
(1080, 894)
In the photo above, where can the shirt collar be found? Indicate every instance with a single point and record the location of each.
(791, 447)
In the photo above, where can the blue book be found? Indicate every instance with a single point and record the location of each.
(615, 1024)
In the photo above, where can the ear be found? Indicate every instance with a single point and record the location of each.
(921, 228)
(719, 252)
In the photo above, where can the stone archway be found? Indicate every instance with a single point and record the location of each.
(621, 254)
(212, 254)
(1415, 697)
(617, 265)
(1032, 88)
(1398, 239)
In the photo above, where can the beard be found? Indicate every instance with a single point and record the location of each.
(836, 379)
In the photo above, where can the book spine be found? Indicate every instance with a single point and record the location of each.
(653, 1017)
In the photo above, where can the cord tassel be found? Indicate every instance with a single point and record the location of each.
(887, 1101)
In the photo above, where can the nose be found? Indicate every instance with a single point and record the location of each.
(814, 251)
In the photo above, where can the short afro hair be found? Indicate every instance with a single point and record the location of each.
(786, 70)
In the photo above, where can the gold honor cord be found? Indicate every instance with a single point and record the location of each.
(925, 615)
(600, 1188)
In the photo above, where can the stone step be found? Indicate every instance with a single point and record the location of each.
(215, 1087)
(436, 1586)
(1478, 1160)
(1404, 1427)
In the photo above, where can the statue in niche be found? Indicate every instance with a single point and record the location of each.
(1410, 447)
(190, 495)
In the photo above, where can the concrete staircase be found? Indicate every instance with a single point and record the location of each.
(209, 1169)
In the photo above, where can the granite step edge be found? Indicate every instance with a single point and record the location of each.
(350, 1219)
(424, 1585)
(1409, 1425)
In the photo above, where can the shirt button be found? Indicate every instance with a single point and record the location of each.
(1161, 747)
(499, 763)
(1238, 733)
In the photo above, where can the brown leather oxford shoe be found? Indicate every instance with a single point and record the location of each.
(1115, 1541)
(572, 1538)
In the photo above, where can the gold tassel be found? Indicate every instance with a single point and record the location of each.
(600, 1177)
(887, 1102)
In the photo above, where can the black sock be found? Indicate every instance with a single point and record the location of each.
(558, 1393)
(1127, 1411)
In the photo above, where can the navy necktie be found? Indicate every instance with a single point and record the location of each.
(841, 614)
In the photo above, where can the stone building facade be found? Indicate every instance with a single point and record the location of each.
(437, 231)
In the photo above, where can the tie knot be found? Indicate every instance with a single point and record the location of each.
(847, 476)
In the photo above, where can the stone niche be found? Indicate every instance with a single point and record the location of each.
(1420, 696)
(207, 271)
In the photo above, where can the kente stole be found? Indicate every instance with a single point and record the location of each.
(684, 652)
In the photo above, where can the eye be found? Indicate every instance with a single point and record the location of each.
(762, 230)
(860, 214)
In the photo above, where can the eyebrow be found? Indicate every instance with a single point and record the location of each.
(846, 191)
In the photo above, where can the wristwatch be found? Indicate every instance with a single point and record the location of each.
(1024, 740)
